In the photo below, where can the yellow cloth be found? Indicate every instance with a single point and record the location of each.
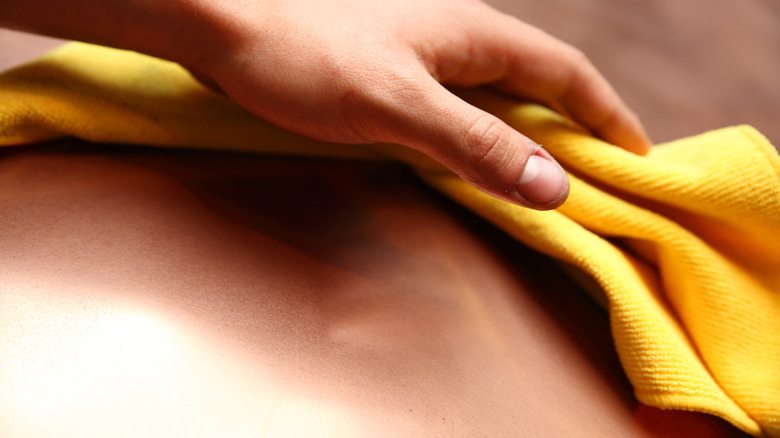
(684, 243)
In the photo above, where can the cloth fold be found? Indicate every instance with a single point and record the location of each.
(683, 243)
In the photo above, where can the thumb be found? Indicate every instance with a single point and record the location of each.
(484, 151)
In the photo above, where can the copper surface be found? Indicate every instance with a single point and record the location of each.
(184, 293)
(159, 293)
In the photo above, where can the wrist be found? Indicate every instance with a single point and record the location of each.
(182, 31)
(176, 30)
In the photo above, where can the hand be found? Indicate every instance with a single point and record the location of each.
(355, 71)
(368, 71)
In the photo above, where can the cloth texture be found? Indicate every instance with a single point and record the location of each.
(681, 246)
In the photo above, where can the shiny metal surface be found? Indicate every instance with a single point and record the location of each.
(157, 293)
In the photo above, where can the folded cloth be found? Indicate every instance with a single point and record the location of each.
(683, 244)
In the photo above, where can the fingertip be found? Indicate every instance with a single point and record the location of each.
(543, 184)
(642, 142)
(636, 142)
(625, 130)
(643, 146)
(639, 142)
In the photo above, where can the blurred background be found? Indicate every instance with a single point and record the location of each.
(684, 67)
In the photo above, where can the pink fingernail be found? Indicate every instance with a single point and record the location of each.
(543, 181)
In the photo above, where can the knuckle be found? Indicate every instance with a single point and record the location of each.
(487, 146)
(578, 56)
(578, 61)
(575, 56)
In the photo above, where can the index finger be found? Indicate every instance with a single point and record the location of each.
(548, 70)
(524, 61)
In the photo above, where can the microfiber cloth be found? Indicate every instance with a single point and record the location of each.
(681, 246)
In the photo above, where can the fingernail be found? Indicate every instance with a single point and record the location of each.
(543, 181)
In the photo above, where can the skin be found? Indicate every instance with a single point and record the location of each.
(356, 71)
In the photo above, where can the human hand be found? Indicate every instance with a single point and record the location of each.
(358, 71)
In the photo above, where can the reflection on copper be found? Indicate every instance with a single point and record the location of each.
(83, 357)
(149, 293)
